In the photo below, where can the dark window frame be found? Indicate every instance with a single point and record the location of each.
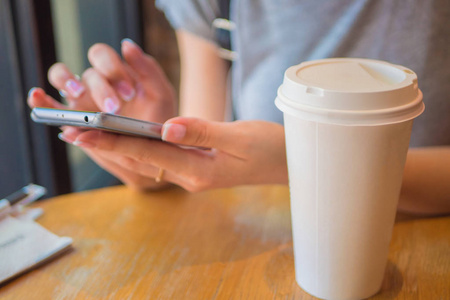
(35, 151)
(31, 152)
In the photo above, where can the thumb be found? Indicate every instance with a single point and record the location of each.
(200, 133)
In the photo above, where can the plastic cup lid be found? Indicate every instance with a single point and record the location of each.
(350, 91)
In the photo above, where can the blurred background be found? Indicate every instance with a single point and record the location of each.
(34, 34)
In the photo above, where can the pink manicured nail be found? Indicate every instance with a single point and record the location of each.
(74, 88)
(63, 93)
(64, 138)
(31, 92)
(173, 132)
(130, 42)
(125, 90)
(111, 105)
(83, 144)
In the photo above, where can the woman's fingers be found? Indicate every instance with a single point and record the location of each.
(251, 151)
(69, 134)
(65, 81)
(144, 65)
(101, 91)
(227, 137)
(244, 152)
(197, 132)
(159, 154)
(188, 168)
(69, 85)
(151, 77)
(108, 63)
(38, 98)
(131, 166)
(113, 83)
(129, 174)
(135, 174)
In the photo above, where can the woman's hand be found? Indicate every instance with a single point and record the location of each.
(136, 87)
(242, 152)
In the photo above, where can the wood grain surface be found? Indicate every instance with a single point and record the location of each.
(221, 244)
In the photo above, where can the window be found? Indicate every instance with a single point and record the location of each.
(34, 35)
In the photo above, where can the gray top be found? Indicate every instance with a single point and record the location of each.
(273, 35)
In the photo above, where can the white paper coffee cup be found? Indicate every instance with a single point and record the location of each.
(348, 124)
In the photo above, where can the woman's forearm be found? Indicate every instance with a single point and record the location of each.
(426, 181)
(203, 85)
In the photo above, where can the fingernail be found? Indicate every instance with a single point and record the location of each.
(62, 93)
(83, 144)
(125, 90)
(74, 88)
(129, 41)
(64, 138)
(173, 132)
(111, 106)
(31, 91)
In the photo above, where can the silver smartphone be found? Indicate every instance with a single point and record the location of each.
(96, 120)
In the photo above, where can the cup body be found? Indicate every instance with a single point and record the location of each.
(344, 185)
(347, 124)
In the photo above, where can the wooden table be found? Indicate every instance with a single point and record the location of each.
(221, 244)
